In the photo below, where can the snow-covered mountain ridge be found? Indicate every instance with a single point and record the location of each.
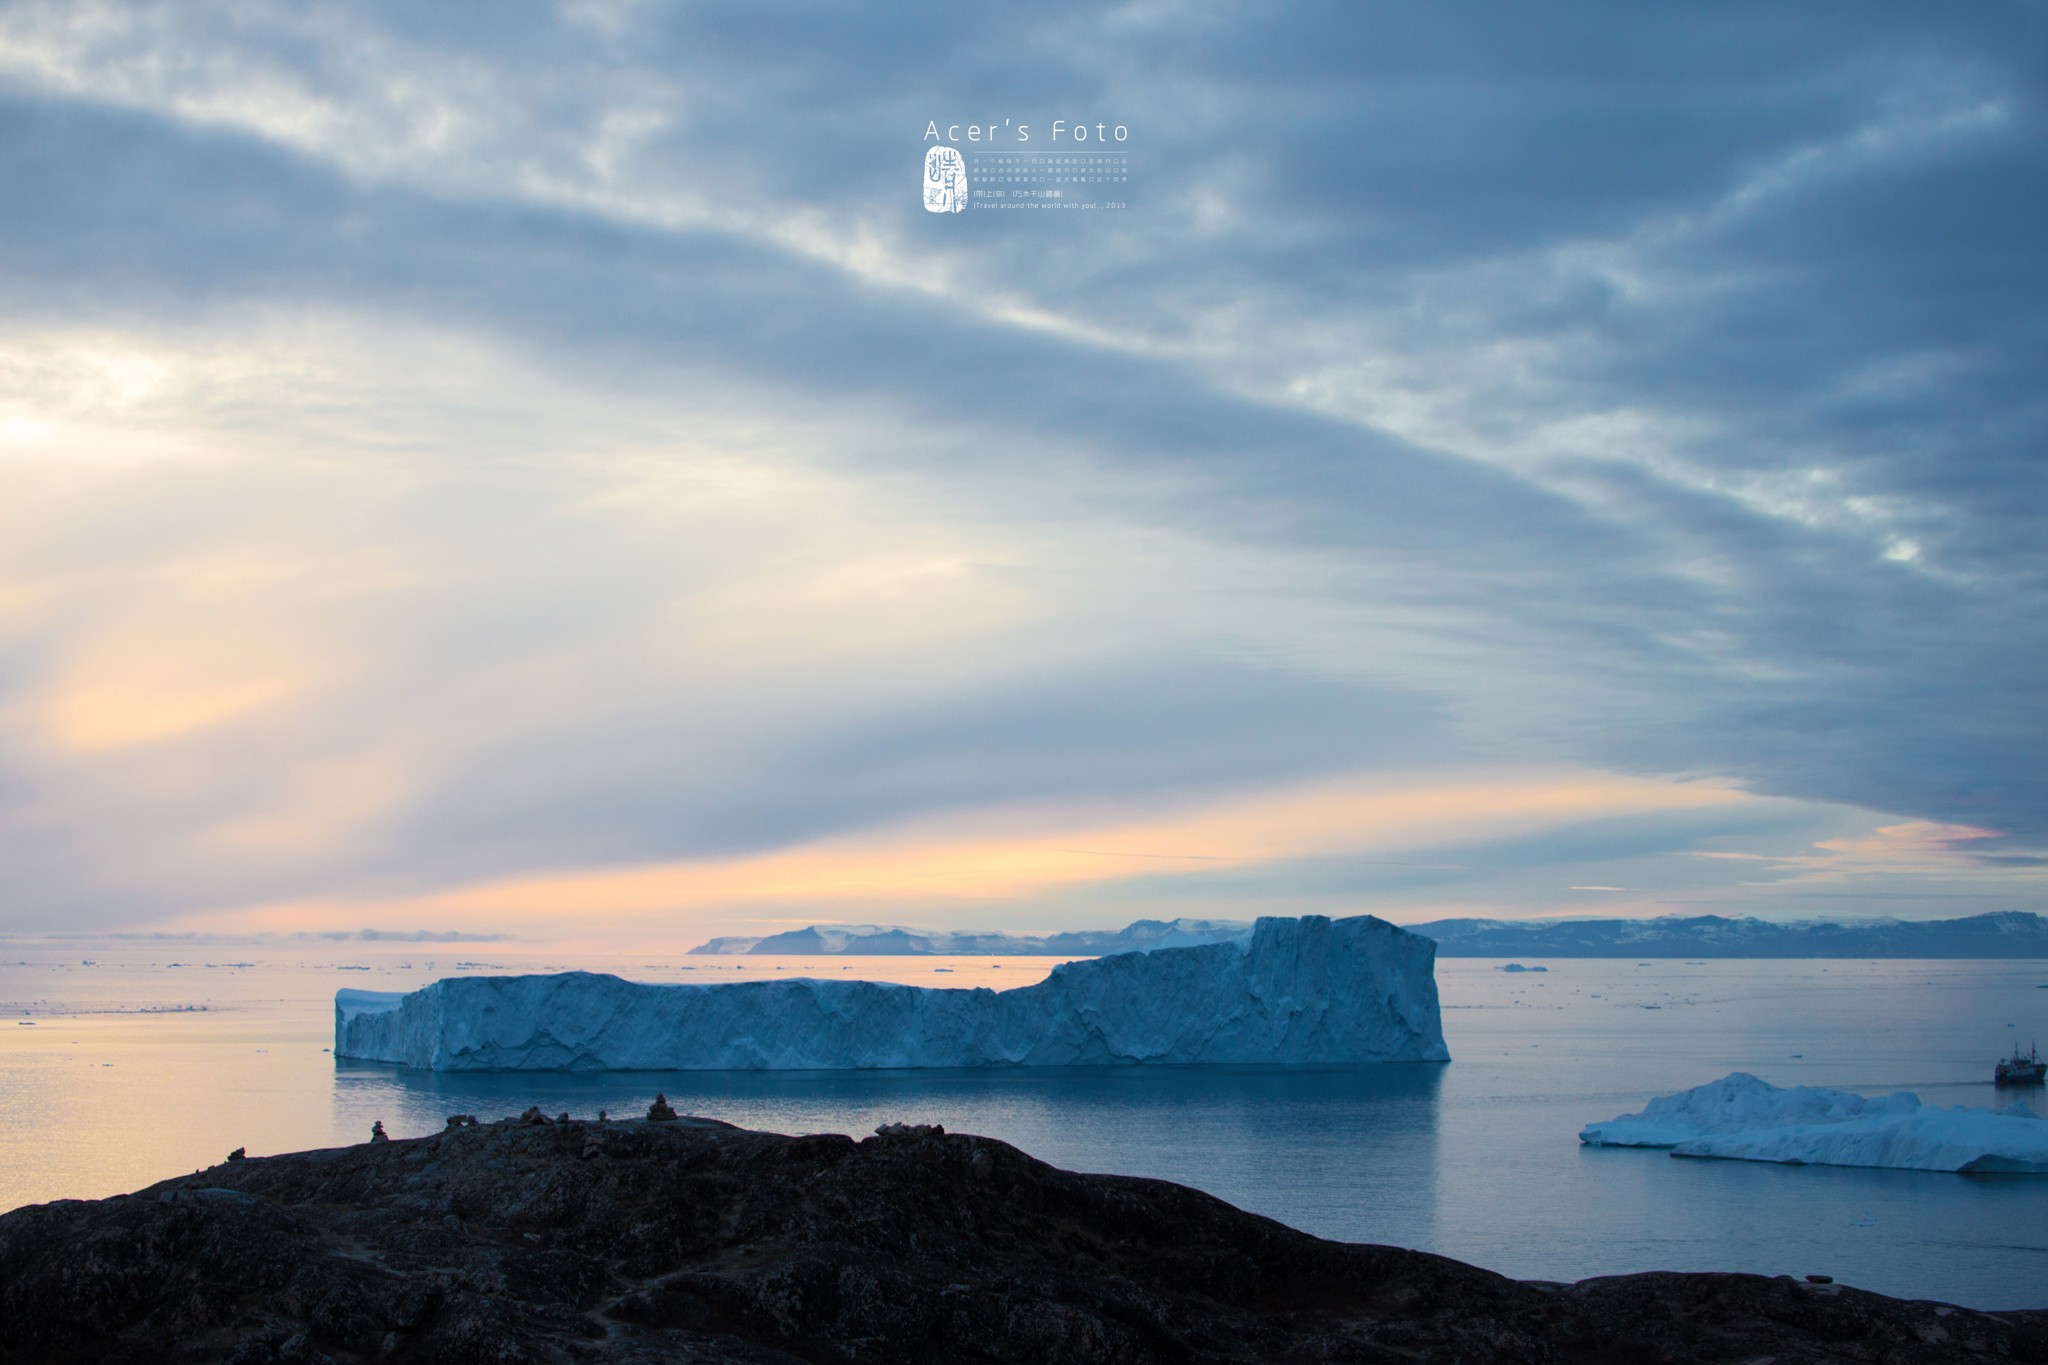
(2005, 934)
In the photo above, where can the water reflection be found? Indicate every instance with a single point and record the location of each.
(1346, 1152)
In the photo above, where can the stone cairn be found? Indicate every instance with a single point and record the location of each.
(660, 1112)
(911, 1130)
(377, 1133)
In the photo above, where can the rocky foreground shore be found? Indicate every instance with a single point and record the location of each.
(695, 1241)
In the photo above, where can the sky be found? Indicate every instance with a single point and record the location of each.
(540, 469)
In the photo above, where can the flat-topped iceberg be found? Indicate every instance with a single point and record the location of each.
(1308, 990)
(1740, 1118)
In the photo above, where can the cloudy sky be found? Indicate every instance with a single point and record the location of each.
(540, 469)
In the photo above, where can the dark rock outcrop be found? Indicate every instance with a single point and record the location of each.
(694, 1241)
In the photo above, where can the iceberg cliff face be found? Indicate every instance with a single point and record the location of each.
(1740, 1118)
(1309, 990)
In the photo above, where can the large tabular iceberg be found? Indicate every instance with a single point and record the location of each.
(1309, 990)
(1741, 1118)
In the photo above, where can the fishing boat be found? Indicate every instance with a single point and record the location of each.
(2018, 1070)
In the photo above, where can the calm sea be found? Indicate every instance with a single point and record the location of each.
(123, 1063)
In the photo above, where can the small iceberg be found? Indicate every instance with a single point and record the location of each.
(1518, 967)
(1741, 1118)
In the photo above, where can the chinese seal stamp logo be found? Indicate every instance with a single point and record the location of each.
(945, 181)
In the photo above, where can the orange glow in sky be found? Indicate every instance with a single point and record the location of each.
(1007, 856)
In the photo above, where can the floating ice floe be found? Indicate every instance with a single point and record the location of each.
(1741, 1118)
(1308, 990)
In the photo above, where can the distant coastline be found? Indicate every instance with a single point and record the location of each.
(2007, 934)
(878, 940)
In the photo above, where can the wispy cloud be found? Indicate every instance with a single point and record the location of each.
(559, 456)
(1009, 857)
(1915, 848)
